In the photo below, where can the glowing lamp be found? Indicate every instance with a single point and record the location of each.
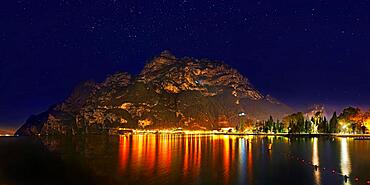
(242, 114)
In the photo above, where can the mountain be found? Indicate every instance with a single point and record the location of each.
(315, 110)
(4, 132)
(169, 92)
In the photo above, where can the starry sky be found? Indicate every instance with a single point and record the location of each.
(301, 52)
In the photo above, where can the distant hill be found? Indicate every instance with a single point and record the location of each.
(4, 132)
(169, 92)
(314, 109)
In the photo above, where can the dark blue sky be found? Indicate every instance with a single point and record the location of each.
(302, 52)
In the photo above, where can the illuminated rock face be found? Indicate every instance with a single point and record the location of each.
(315, 110)
(4, 132)
(167, 73)
(168, 93)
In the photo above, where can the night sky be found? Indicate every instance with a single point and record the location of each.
(303, 53)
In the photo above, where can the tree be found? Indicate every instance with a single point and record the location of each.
(323, 126)
(326, 123)
(351, 119)
(269, 125)
(279, 126)
(296, 122)
(363, 129)
(300, 123)
(333, 124)
(308, 126)
(353, 128)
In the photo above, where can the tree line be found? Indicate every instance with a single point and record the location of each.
(350, 120)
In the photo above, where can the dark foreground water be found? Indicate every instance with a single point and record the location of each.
(175, 159)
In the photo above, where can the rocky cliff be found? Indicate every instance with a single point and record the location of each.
(5, 132)
(169, 92)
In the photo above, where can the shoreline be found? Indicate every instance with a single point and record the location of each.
(300, 135)
(303, 135)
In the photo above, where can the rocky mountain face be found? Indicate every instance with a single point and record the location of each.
(168, 93)
(314, 110)
(5, 132)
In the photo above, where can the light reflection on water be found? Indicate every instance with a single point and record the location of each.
(242, 161)
(196, 159)
(316, 161)
(160, 154)
(345, 161)
(226, 158)
(250, 162)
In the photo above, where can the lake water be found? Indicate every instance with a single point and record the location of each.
(183, 159)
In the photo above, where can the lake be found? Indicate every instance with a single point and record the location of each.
(183, 159)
